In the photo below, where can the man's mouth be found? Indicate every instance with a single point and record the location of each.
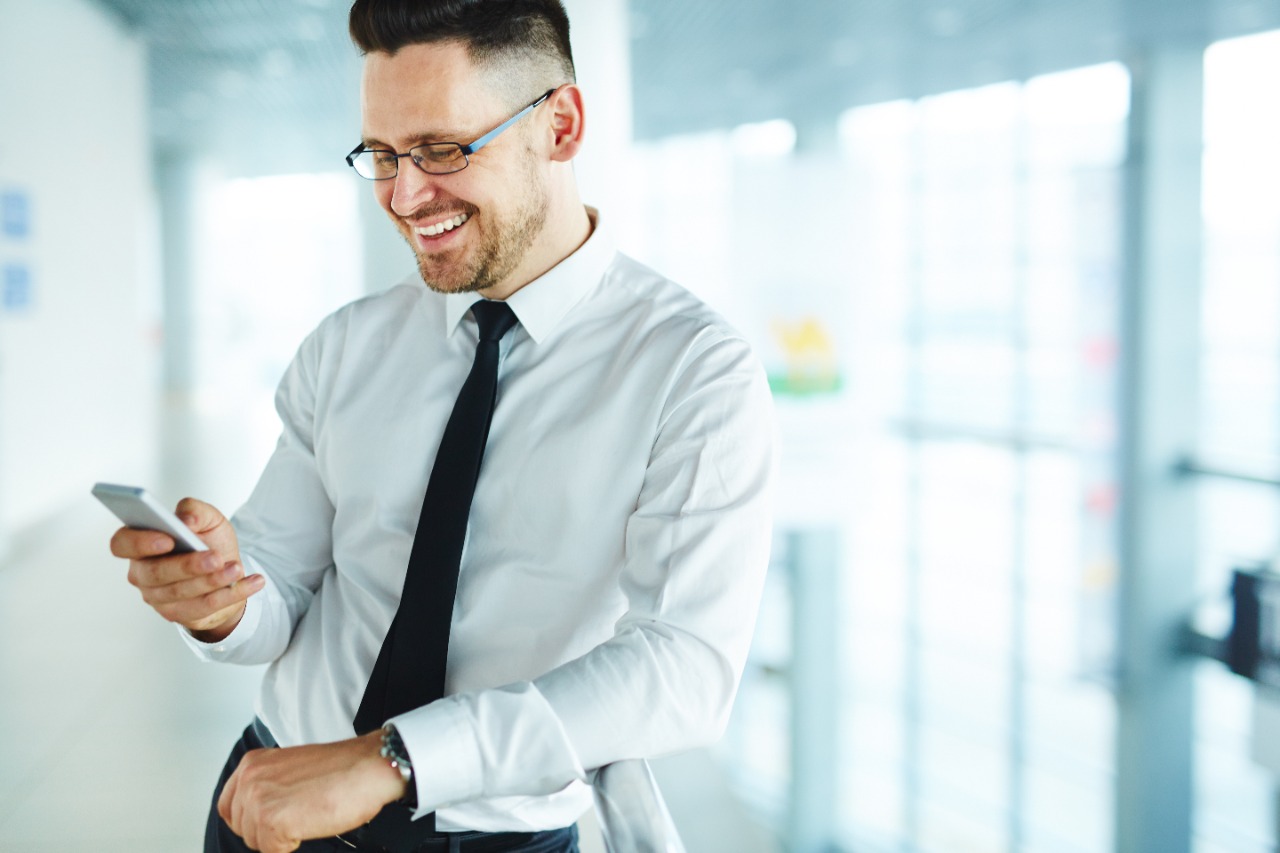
(438, 228)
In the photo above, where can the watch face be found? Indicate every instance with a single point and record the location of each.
(393, 750)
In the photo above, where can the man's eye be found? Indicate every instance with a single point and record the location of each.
(437, 154)
(383, 159)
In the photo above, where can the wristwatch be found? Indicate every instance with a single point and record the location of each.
(393, 750)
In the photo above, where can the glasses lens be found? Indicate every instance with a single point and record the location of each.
(375, 165)
(439, 158)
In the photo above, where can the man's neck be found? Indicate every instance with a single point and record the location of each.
(562, 235)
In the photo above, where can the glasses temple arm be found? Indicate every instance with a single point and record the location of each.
(468, 150)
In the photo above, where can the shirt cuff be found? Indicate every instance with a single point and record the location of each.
(441, 744)
(244, 630)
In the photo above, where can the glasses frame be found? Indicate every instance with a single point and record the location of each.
(466, 149)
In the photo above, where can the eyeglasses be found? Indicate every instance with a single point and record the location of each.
(434, 158)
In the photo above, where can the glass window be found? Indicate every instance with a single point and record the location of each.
(953, 267)
(1240, 412)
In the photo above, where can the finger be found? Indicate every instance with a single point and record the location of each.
(162, 571)
(214, 608)
(242, 821)
(245, 826)
(215, 622)
(270, 829)
(246, 810)
(282, 845)
(133, 544)
(270, 840)
(193, 587)
(234, 804)
(227, 797)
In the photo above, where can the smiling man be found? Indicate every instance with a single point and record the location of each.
(502, 221)
(447, 672)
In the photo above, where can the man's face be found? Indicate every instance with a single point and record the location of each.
(489, 214)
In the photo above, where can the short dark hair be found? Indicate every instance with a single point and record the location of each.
(521, 33)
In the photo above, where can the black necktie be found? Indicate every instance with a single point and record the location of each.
(409, 672)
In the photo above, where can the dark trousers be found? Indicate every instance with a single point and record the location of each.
(218, 837)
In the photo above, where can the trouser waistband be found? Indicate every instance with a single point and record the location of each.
(263, 734)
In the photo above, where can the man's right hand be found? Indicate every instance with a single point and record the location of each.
(204, 591)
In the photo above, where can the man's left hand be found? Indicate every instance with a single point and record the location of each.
(277, 798)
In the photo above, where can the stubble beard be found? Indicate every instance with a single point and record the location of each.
(503, 245)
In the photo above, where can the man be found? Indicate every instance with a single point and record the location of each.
(616, 542)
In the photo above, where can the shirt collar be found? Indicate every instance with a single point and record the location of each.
(542, 303)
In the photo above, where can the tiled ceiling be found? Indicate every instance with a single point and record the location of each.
(265, 86)
(715, 63)
(272, 85)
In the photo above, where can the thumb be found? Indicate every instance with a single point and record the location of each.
(211, 526)
(198, 515)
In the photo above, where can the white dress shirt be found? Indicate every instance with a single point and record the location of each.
(616, 546)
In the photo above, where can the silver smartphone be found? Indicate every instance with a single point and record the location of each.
(137, 508)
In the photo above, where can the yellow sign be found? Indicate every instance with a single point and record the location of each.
(810, 365)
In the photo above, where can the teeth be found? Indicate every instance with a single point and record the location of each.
(441, 227)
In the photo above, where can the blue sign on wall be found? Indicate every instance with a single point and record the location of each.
(15, 287)
(15, 214)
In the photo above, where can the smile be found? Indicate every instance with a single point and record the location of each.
(441, 227)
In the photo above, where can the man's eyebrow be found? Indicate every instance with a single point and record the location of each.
(420, 139)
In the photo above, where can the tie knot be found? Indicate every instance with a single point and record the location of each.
(494, 318)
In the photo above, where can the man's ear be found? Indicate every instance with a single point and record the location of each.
(566, 122)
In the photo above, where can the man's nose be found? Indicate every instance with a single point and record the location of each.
(412, 188)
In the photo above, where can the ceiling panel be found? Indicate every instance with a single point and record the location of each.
(262, 86)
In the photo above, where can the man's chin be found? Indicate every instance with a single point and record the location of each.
(446, 284)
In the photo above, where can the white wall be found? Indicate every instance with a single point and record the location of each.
(78, 365)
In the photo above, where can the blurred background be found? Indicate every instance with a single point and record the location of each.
(1013, 267)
